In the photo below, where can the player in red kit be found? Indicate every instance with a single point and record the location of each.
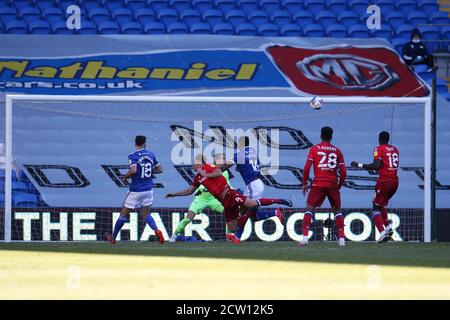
(385, 162)
(327, 161)
(212, 179)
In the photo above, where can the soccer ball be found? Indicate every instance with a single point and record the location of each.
(316, 103)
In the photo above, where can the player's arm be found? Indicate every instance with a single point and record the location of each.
(342, 174)
(133, 169)
(375, 165)
(306, 170)
(157, 169)
(186, 192)
(216, 173)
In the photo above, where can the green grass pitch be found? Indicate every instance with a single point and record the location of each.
(220, 270)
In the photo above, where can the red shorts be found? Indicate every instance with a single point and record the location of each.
(383, 192)
(317, 195)
(231, 203)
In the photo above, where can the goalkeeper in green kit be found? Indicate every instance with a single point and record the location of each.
(202, 200)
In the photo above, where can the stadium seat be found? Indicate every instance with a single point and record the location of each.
(325, 18)
(336, 31)
(29, 14)
(144, 15)
(420, 68)
(16, 26)
(336, 5)
(108, 27)
(303, 17)
(180, 5)
(19, 186)
(428, 6)
(280, 17)
(131, 27)
(203, 5)
(426, 76)
(441, 86)
(200, 28)
(245, 29)
(430, 32)
(167, 15)
(212, 17)
(291, 30)
(134, 4)
(53, 14)
(313, 30)
(7, 14)
(98, 15)
(439, 17)
(445, 32)
(269, 5)
(384, 32)
(24, 200)
(177, 28)
(417, 17)
(190, 16)
(348, 18)
(235, 17)
(157, 5)
(225, 5)
(223, 28)
(88, 27)
(268, 30)
(315, 5)
(39, 27)
(122, 15)
(258, 17)
(154, 28)
(406, 5)
(247, 5)
(44, 4)
(60, 27)
(395, 18)
(404, 31)
(358, 31)
(358, 6)
(398, 44)
(385, 5)
(292, 5)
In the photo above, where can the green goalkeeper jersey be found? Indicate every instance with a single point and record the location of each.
(203, 193)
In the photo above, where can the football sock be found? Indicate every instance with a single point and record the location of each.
(268, 201)
(151, 222)
(118, 225)
(306, 223)
(378, 220)
(181, 226)
(265, 214)
(384, 214)
(239, 232)
(339, 224)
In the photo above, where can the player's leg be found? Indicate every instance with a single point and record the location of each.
(146, 199)
(197, 206)
(334, 196)
(391, 189)
(231, 217)
(128, 204)
(315, 198)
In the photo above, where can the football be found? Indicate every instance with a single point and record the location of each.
(316, 103)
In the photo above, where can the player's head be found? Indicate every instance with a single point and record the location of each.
(244, 141)
(326, 134)
(383, 137)
(199, 160)
(140, 142)
(219, 159)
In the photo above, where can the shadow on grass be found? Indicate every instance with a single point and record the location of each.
(389, 254)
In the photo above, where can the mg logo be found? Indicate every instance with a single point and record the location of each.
(372, 71)
(346, 71)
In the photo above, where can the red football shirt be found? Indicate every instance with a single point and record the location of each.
(326, 160)
(389, 157)
(215, 186)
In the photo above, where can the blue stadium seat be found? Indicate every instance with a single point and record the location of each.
(200, 28)
(247, 5)
(245, 29)
(223, 28)
(358, 6)
(268, 30)
(19, 4)
(325, 18)
(270, 5)
(428, 6)
(90, 4)
(39, 27)
(446, 95)
(336, 31)
(122, 15)
(395, 18)
(292, 5)
(336, 5)
(29, 14)
(384, 32)
(258, 17)
(315, 5)
(441, 86)
(19, 186)
(108, 27)
(385, 5)
(235, 17)
(7, 14)
(439, 17)
(280, 17)
(44, 4)
(404, 31)
(348, 18)
(60, 27)
(144, 15)
(406, 5)
(134, 4)
(445, 32)
(203, 5)
(180, 5)
(420, 68)
(130, 27)
(24, 200)
(98, 15)
(16, 26)
(154, 28)
(156, 4)
(303, 17)
(190, 16)
(417, 17)
(53, 14)
(177, 28)
(291, 30)
(225, 5)
(430, 32)
(167, 16)
(88, 27)
(398, 44)
(426, 76)
(212, 16)
(358, 31)
(313, 30)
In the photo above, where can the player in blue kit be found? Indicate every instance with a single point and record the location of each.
(143, 165)
(247, 164)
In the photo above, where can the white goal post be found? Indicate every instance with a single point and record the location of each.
(11, 98)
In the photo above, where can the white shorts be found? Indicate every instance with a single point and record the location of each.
(255, 189)
(135, 200)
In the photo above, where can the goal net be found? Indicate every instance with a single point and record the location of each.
(65, 157)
